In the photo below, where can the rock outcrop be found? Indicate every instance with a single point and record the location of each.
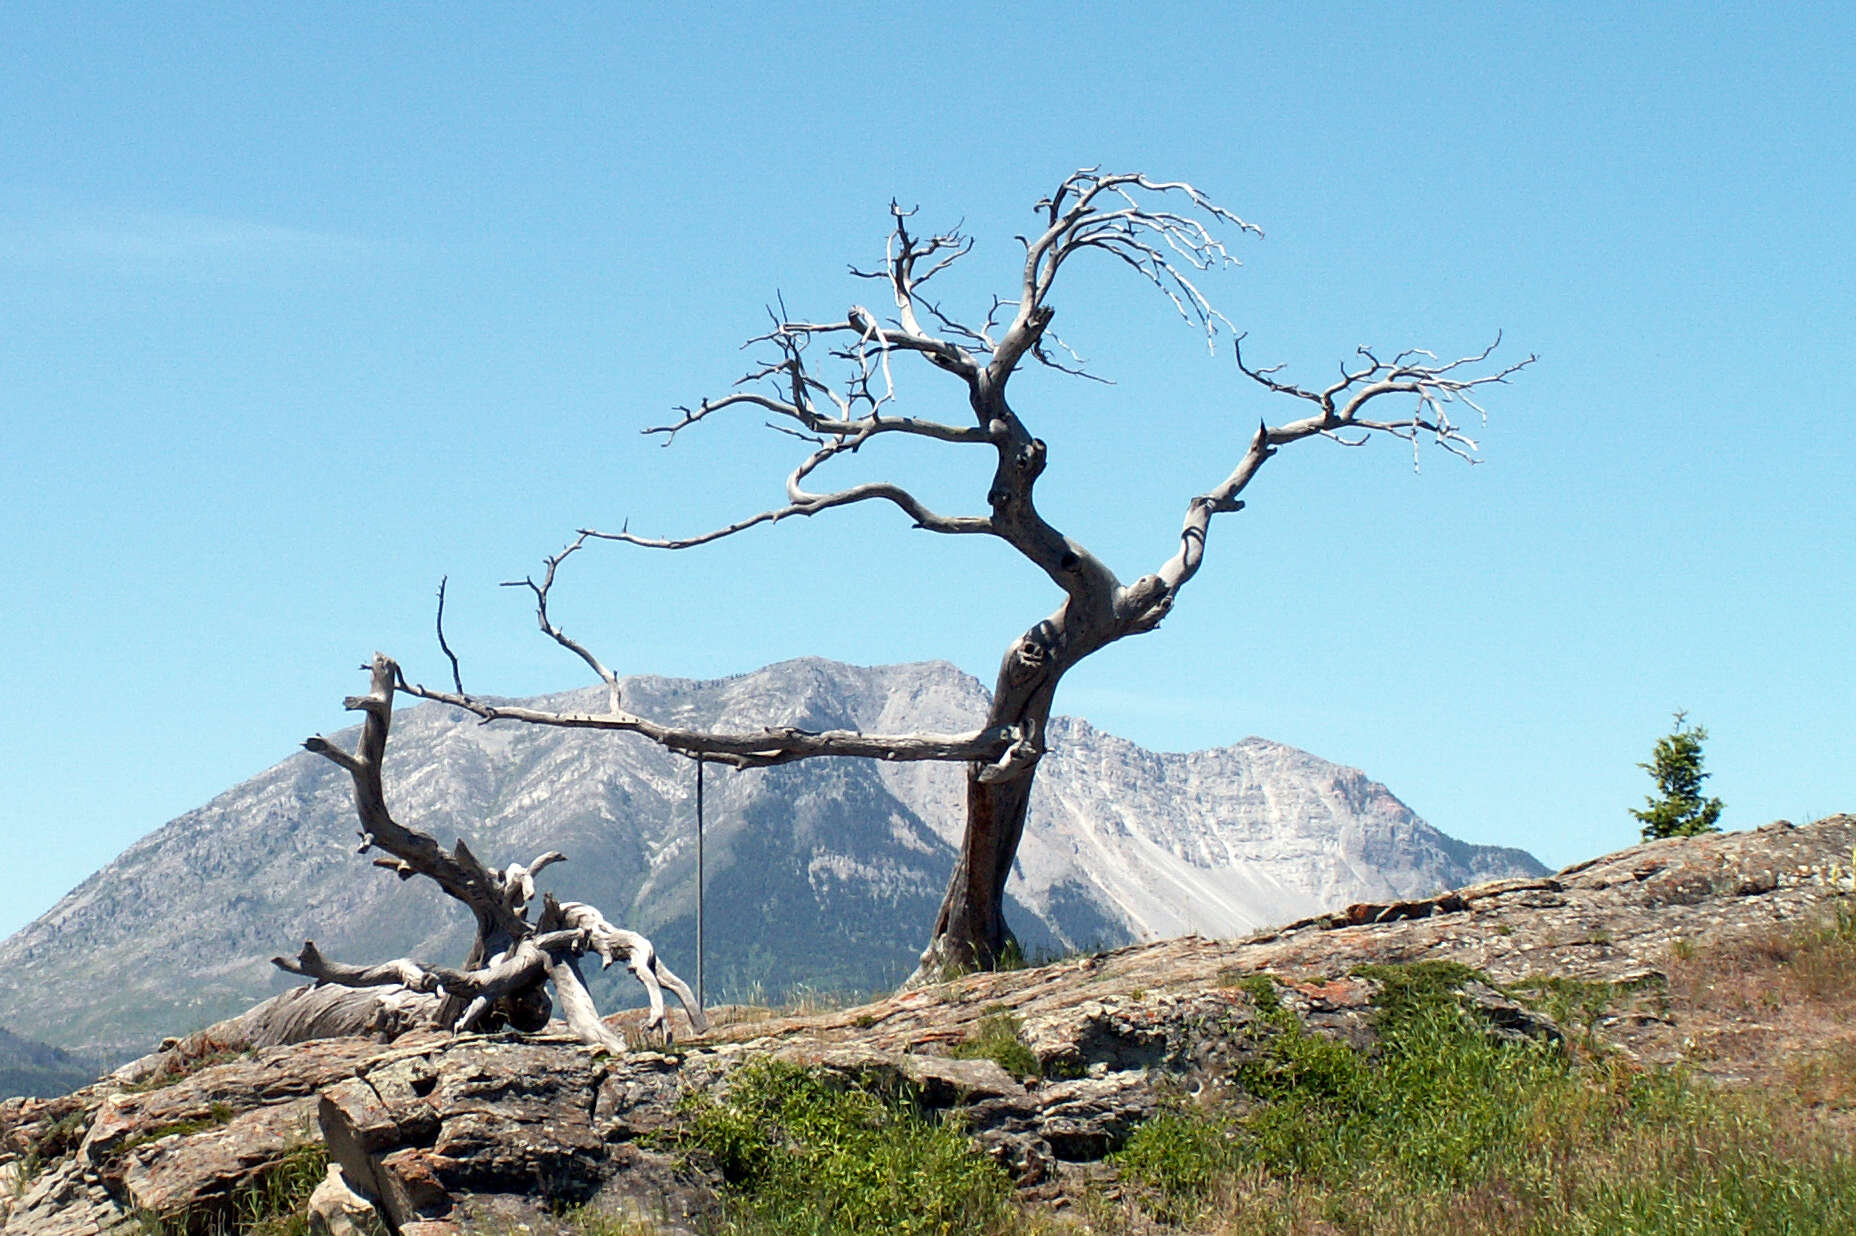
(432, 1134)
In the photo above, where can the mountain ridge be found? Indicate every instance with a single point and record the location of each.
(821, 874)
(30, 1067)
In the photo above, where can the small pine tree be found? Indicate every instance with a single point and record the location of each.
(1677, 808)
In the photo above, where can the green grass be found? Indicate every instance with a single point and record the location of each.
(1442, 1127)
(274, 1205)
(802, 1155)
(591, 1221)
(1261, 989)
(995, 1038)
(1579, 1004)
(1177, 1158)
(1835, 934)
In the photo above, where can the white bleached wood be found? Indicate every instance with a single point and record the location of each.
(513, 959)
(638, 954)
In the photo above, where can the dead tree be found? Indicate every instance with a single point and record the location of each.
(513, 960)
(1168, 233)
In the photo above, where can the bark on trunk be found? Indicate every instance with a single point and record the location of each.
(970, 931)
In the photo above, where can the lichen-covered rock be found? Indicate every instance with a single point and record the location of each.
(939, 1081)
(111, 1153)
(511, 1127)
(67, 1200)
(484, 1116)
(199, 1172)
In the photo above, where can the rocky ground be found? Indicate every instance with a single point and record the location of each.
(435, 1134)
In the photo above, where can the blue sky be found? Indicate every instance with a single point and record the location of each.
(300, 312)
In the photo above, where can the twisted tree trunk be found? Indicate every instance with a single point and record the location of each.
(970, 931)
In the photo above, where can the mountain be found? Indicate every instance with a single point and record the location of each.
(823, 875)
(33, 1068)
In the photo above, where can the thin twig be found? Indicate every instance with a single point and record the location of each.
(457, 677)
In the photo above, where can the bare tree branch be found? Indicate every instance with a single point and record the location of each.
(755, 749)
(1434, 385)
(555, 633)
(1121, 215)
(577, 1007)
(820, 424)
(1160, 245)
(525, 965)
(457, 871)
(512, 958)
(616, 944)
(750, 750)
(519, 881)
(457, 676)
(403, 971)
(812, 504)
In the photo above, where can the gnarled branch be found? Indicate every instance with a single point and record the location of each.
(403, 971)
(1119, 214)
(616, 944)
(513, 959)
(457, 870)
(757, 749)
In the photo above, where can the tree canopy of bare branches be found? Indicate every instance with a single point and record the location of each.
(1170, 235)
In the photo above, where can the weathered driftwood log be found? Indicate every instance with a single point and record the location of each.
(513, 960)
(616, 944)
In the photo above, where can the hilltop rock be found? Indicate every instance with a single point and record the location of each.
(436, 1134)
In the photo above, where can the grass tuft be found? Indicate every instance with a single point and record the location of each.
(592, 1221)
(802, 1155)
(996, 1038)
(1441, 1127)
(274, 1203)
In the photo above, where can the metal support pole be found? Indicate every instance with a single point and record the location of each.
(702, 999)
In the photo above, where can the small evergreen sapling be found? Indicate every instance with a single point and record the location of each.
(1677, 808)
